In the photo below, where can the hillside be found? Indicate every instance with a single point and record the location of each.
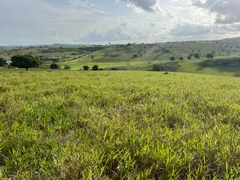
(141, 56)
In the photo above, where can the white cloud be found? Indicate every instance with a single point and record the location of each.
(227, 11)
(79, 21)
(145, 5)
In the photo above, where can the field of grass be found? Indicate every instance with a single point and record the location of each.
(118, 125)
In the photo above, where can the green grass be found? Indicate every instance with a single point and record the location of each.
(118, 125)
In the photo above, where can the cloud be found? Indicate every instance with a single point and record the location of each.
(115, 34)
(227, 11)
(188, 29)
(123, 32)
(145, 5)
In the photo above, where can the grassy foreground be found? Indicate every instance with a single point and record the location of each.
(118, 125)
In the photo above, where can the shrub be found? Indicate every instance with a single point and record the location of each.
(2, 62)
(85, 68)
(196, 55)
(67, 67)
(54, 66)
(95, 68)
(114, 69)
(135, 56)
(237, 75)
(210, 56)
(181, 58)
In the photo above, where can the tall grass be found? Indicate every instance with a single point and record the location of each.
(118, 125)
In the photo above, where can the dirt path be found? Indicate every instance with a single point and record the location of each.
(80, 58)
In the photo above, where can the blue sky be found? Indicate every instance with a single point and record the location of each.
(29, 22)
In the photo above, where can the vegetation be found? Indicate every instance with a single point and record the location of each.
(95, 68)
(55, 66)
(145, 125)
(85, 68)
(66, 67)
(210, 56)
(25, 61)
(196, 55)
(3, 62)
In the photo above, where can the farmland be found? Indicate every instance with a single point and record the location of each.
(140, 56)
(118, 125)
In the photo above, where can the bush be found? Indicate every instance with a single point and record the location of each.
(54, 66)
(181, 59)
(158, 67)
(2, 62)
(196, 55)
(67, 67)
(210, 56)
(114, 69)
(237, 75)
(85, 68)
(135, 56)
(95, 68)
(171, 66)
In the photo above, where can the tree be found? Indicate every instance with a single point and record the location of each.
(3, 62)
(85, 68)
(196, 55)
(54, 66)
(210, 56)
(135, 56)
(25, 61)
(172, 58)
(95, 68)
(181, 58)
(92, 56)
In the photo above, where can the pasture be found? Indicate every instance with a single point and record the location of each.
(118, 125)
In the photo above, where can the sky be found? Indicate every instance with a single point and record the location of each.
(33, 22)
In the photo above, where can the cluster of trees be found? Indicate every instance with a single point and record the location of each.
(171, 66)
(173, 58)
(28, 61)
(25, 61)
(56, 66)
(195, 55)
(94, 68)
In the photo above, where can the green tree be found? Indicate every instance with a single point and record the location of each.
(54, 66)
(85, 68)
(3, 62)
(25, 61)
(181, 58)
(95, 68)
(196, 55)
(210, 56)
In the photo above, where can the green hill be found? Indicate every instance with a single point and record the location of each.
(140, 56)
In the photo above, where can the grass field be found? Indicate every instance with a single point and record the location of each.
(118, 125)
